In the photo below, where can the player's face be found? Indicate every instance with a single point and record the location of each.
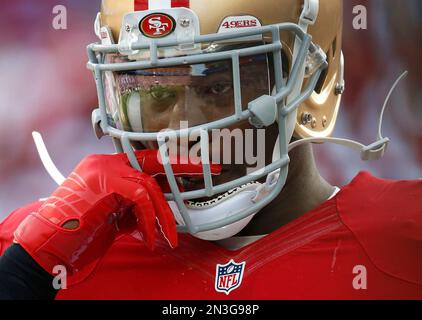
(152, 100)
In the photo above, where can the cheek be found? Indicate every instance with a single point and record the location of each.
(251, 93)
(221, 147)
(155, 122)
(220, 108)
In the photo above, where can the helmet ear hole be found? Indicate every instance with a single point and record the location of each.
(321, 81)
(286, 66)
(334, 47)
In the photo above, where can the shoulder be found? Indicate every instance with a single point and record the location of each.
(386, 218)
(382, 201)
(9, 225)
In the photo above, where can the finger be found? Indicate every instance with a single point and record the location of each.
(143, 209)
(163, 183)
(146, 226)
(165, 218)
(152, 164)
(127, 221)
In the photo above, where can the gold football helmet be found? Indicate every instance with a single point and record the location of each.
(219, 63)
(317, 115)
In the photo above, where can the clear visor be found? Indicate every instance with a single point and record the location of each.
(151, 100)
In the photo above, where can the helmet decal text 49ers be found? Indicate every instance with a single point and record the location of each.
(157, 25)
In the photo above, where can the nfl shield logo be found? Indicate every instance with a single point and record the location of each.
(229, 276)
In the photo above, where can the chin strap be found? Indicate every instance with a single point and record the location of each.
(49, 165)
(374, 151)
(371, 152)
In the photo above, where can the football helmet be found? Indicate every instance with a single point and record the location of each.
(276, 63)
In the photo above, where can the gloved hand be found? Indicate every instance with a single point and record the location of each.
(101, 199)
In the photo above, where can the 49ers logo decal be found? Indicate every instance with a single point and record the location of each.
(157, 25)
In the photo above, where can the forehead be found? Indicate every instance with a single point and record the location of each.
(253, 68)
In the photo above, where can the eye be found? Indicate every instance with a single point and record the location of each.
(162, 93)
(220, 88)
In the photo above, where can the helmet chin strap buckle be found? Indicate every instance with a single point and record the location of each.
(266, 188)
(375, 151)
(314, 61)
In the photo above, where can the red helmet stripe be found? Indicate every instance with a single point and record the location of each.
(180, 3)
(141, 5)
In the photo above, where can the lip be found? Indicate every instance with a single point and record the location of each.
(191, 184)
(197, 182)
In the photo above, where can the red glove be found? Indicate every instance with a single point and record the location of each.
(103, 198)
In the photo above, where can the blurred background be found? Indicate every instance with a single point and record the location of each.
(45, 86)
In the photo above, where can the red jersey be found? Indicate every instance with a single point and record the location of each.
(365, 243)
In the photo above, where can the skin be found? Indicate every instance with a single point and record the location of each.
(304, 191)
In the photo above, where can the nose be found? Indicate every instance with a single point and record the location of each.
(178, 114)
(187, 109)
(186, 113)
